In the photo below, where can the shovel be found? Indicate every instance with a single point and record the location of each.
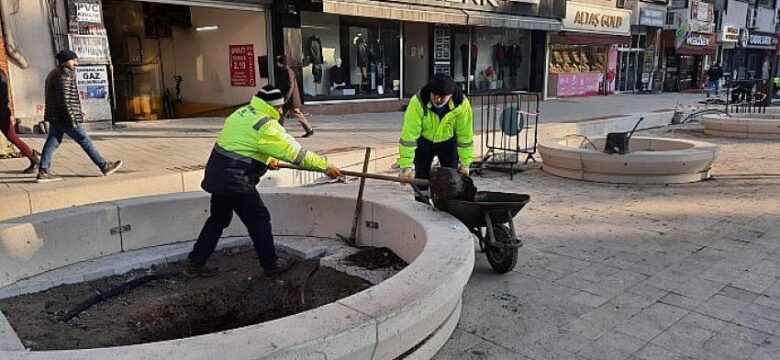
(445, 183)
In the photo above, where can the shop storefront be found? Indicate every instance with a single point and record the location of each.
(583, 58)
(727, 43)
(685, 63)
(754, 54)
(363, 50)
(178, 59)
(688, 49)
(638, 62)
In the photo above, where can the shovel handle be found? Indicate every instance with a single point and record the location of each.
(418, 182)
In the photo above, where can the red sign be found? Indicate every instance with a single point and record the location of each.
(242, 65)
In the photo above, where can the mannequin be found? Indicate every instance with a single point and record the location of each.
(464, 52)
(361, 47)
(314, 49)
(337, 76)
(500, 56)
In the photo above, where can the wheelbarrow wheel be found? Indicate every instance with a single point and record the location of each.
(501, 259)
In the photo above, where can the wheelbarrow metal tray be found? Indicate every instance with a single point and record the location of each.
(500, 206)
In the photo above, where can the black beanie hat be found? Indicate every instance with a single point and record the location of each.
(442, 84)
(271, 95)
(65, 55)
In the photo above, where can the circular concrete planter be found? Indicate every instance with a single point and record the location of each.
(649, 161)
(744, 126)
(412, 313)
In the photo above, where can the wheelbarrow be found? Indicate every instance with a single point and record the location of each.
(489, 218)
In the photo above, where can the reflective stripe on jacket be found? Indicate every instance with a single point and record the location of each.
(250, 138)
(421, 120)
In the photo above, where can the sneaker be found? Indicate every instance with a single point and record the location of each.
(45, 176)
(308, 133)
(191, 270)
(111, 167)
(280, 267)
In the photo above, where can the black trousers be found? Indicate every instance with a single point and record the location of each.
(446, 151)
(253, 214)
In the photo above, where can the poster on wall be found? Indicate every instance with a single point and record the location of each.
(91, 49)
(242, 66)
(93, 85)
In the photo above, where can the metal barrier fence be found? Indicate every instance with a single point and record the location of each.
(748, 96)
(508, 123)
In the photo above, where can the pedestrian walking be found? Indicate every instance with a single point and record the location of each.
(714, 74)
(438, 123)
(288, 84)
(63, 112)
(249, 144)
(7, 126)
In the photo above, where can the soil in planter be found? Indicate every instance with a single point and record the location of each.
(373, 258)
(177, 307)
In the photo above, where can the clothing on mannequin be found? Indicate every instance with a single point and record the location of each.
(464, 52)
(500, 56)
(314, 49)
(337, 75)
(362, 54)
(515, 58)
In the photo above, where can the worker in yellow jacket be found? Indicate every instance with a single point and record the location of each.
(438, 123)
(249, 144)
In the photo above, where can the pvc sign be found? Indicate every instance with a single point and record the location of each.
(242, 65)
(596, 19)
(88, 13)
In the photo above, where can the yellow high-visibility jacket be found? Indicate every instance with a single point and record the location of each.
(250, 138)
(421, 120)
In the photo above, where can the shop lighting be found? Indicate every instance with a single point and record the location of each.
(207, 28)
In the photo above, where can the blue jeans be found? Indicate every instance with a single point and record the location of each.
(79, 135)
(713, 84)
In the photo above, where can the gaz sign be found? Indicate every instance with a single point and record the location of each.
(88, 13)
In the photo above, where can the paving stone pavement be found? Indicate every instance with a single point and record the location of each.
(160, 146)
(635, 272)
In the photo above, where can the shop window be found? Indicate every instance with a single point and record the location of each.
(349, 58)
(578, 59)
(679, 4)
(500, 59)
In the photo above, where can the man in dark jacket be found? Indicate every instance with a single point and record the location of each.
(714, 74)
(288, 85)
(63, 112)
(249, 144)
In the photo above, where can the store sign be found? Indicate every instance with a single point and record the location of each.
(701, 11)
(88, 13)
(701, 26)
(762, 40)
(652, 17)
(90, 48)
(595, 19)
(698, 40)
(92, 84)
(242, 65)
(730, 34)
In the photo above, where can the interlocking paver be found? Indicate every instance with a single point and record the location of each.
(722, 307)
(685, 339)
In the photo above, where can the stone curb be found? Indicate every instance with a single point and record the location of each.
(415, 309)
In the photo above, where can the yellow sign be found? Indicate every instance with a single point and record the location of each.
(598, 20)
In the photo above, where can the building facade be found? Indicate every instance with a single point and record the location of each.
(345, 50)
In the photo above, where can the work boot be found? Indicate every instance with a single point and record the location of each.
(111, 167)
(281, 266)
(45, 176)
(191, 270)
(35, 159)
(308, 133)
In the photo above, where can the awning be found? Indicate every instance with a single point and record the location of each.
(395, 11)
(250, 5)
(433, 14)
(479, 18)
(574, 38)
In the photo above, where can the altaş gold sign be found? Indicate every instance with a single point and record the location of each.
(598, 20)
